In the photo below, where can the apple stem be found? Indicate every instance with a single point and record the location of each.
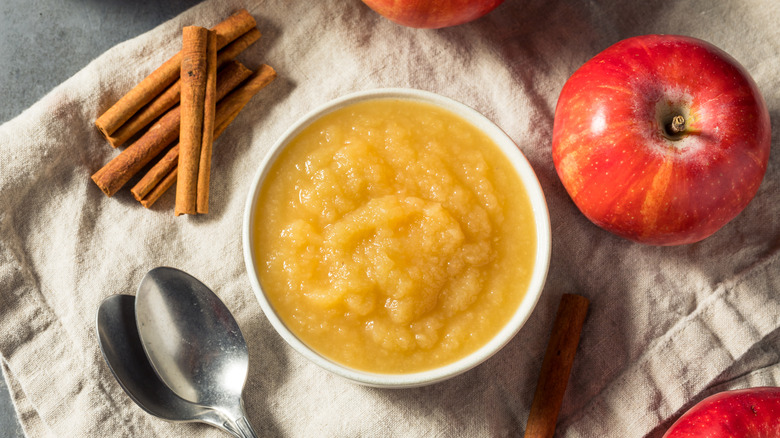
(677, 125)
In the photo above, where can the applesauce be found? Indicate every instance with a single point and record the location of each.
(392, 236)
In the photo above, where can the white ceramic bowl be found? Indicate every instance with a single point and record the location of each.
(525, 308)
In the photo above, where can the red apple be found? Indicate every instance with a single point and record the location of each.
(432, 14)
(661, 139)
(743, 413)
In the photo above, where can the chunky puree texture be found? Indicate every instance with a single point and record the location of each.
(393, 237)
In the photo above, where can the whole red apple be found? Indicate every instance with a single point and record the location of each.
(661, 139)
(432, 14)
(743, 413)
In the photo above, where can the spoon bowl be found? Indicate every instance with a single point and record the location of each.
(122, 351)
(193, 343)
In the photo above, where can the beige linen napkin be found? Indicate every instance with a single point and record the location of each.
(667, 326)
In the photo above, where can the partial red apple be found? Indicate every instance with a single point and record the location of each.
(432, 14)
(661, 139)
(743, 413)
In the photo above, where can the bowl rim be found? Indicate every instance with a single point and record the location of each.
(538, 205)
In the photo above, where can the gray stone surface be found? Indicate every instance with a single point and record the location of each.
(9, 426)
(42, 43)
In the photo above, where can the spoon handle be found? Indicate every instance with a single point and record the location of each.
(244, 428)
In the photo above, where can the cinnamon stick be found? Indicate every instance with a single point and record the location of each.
(229, 107)
(160, 188)
(115, 174)
(194, 72)
(209, 113)
(154, 84)
(156, 174)
(236, 47)
(171, 95)
(156, 181)
(556, 366)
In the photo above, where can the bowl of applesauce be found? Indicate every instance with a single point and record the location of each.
(396, 237)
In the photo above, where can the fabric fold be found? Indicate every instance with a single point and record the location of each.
(738, 315)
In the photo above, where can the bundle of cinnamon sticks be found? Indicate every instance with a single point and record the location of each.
(193, 96)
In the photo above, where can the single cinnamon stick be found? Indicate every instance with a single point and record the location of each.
(556, 366)
(209, 114)
(155, 182)
(154, 84)
(231, 105)
(194, 74)
(115, 174)
(157, 173)
(171, 96)
(236, 47)
(160, 188)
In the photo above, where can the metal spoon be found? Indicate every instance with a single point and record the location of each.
(193, 343)
(122, 350)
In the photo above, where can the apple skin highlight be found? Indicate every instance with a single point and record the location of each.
(629, 171)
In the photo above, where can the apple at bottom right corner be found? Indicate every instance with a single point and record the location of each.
(741, 413)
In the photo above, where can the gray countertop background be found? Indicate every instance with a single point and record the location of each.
(44, 42)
